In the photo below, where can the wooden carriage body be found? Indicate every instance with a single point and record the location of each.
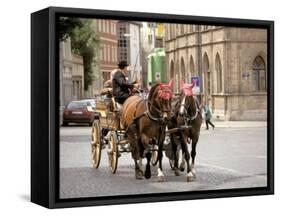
(108, 114)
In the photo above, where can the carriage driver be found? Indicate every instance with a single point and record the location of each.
(121, 87)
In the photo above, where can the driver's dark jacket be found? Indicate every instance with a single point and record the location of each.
(121, 87)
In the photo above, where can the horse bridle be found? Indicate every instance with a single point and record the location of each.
(150, 105)
(185, 114)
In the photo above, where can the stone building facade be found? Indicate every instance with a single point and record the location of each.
(107, 57)
(230, 62)
(71, 75)
(129, 47)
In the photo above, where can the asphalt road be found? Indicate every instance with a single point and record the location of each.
(226, 158)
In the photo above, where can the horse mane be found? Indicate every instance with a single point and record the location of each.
(152, 90)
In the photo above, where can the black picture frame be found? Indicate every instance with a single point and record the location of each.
(45, 108)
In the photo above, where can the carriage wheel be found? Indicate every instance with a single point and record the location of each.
(96, 144)
(112, 151)
(154, 155)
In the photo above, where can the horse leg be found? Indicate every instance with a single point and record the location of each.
(193, 154)
(147, 173)
(135, 155)
(138, 170)
(184, 148)
(176, 155)
(160, 175)
(146, 153)
(182, 164)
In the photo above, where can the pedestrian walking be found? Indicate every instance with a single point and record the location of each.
(208, 117)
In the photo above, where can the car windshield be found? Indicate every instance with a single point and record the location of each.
(91, 103)
(76, 105)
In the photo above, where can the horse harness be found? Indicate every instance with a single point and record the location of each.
(188, 119)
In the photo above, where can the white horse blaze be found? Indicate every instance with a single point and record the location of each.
(182, 106)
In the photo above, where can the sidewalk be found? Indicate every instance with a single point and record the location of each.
(237, 124)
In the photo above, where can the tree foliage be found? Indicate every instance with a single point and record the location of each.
(66, 26)
(84, 41)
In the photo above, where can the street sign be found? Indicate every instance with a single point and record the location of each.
(196, 88)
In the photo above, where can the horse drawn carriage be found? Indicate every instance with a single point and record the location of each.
(141, 128)
(107, 133)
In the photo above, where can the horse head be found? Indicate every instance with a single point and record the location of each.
(186, 96)
(162, 95)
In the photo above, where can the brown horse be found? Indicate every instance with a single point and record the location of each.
(145, 121)
(187, 117)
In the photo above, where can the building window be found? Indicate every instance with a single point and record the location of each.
(184, 76)
(207, 74)
(115, 54)
(218, 73)
(172, 32)
(108, 53)
(149, 38)
(103, 25)
(104, 53)
(192, 67)
(259, 74)
(101, 54)
(105, 76)
(111, 28)
(107, 26)
(99, 25)
(114, 29)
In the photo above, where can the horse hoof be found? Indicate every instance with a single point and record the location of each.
(194, 173)
(182, 167)
(189, 177)
(139, 174)
(177, 172)
(161, 178)
(147, 174)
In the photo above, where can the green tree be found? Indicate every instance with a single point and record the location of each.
(84, 41)
(66, 26)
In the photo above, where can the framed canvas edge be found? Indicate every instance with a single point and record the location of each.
(55, 202)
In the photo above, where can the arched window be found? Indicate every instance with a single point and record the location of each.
(191, 67)
(207, 74)
(172, 70)
(259, 74)
(184, 76)
(218, 73)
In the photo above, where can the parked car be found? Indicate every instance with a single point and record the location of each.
(79, 112)
(91, 102)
